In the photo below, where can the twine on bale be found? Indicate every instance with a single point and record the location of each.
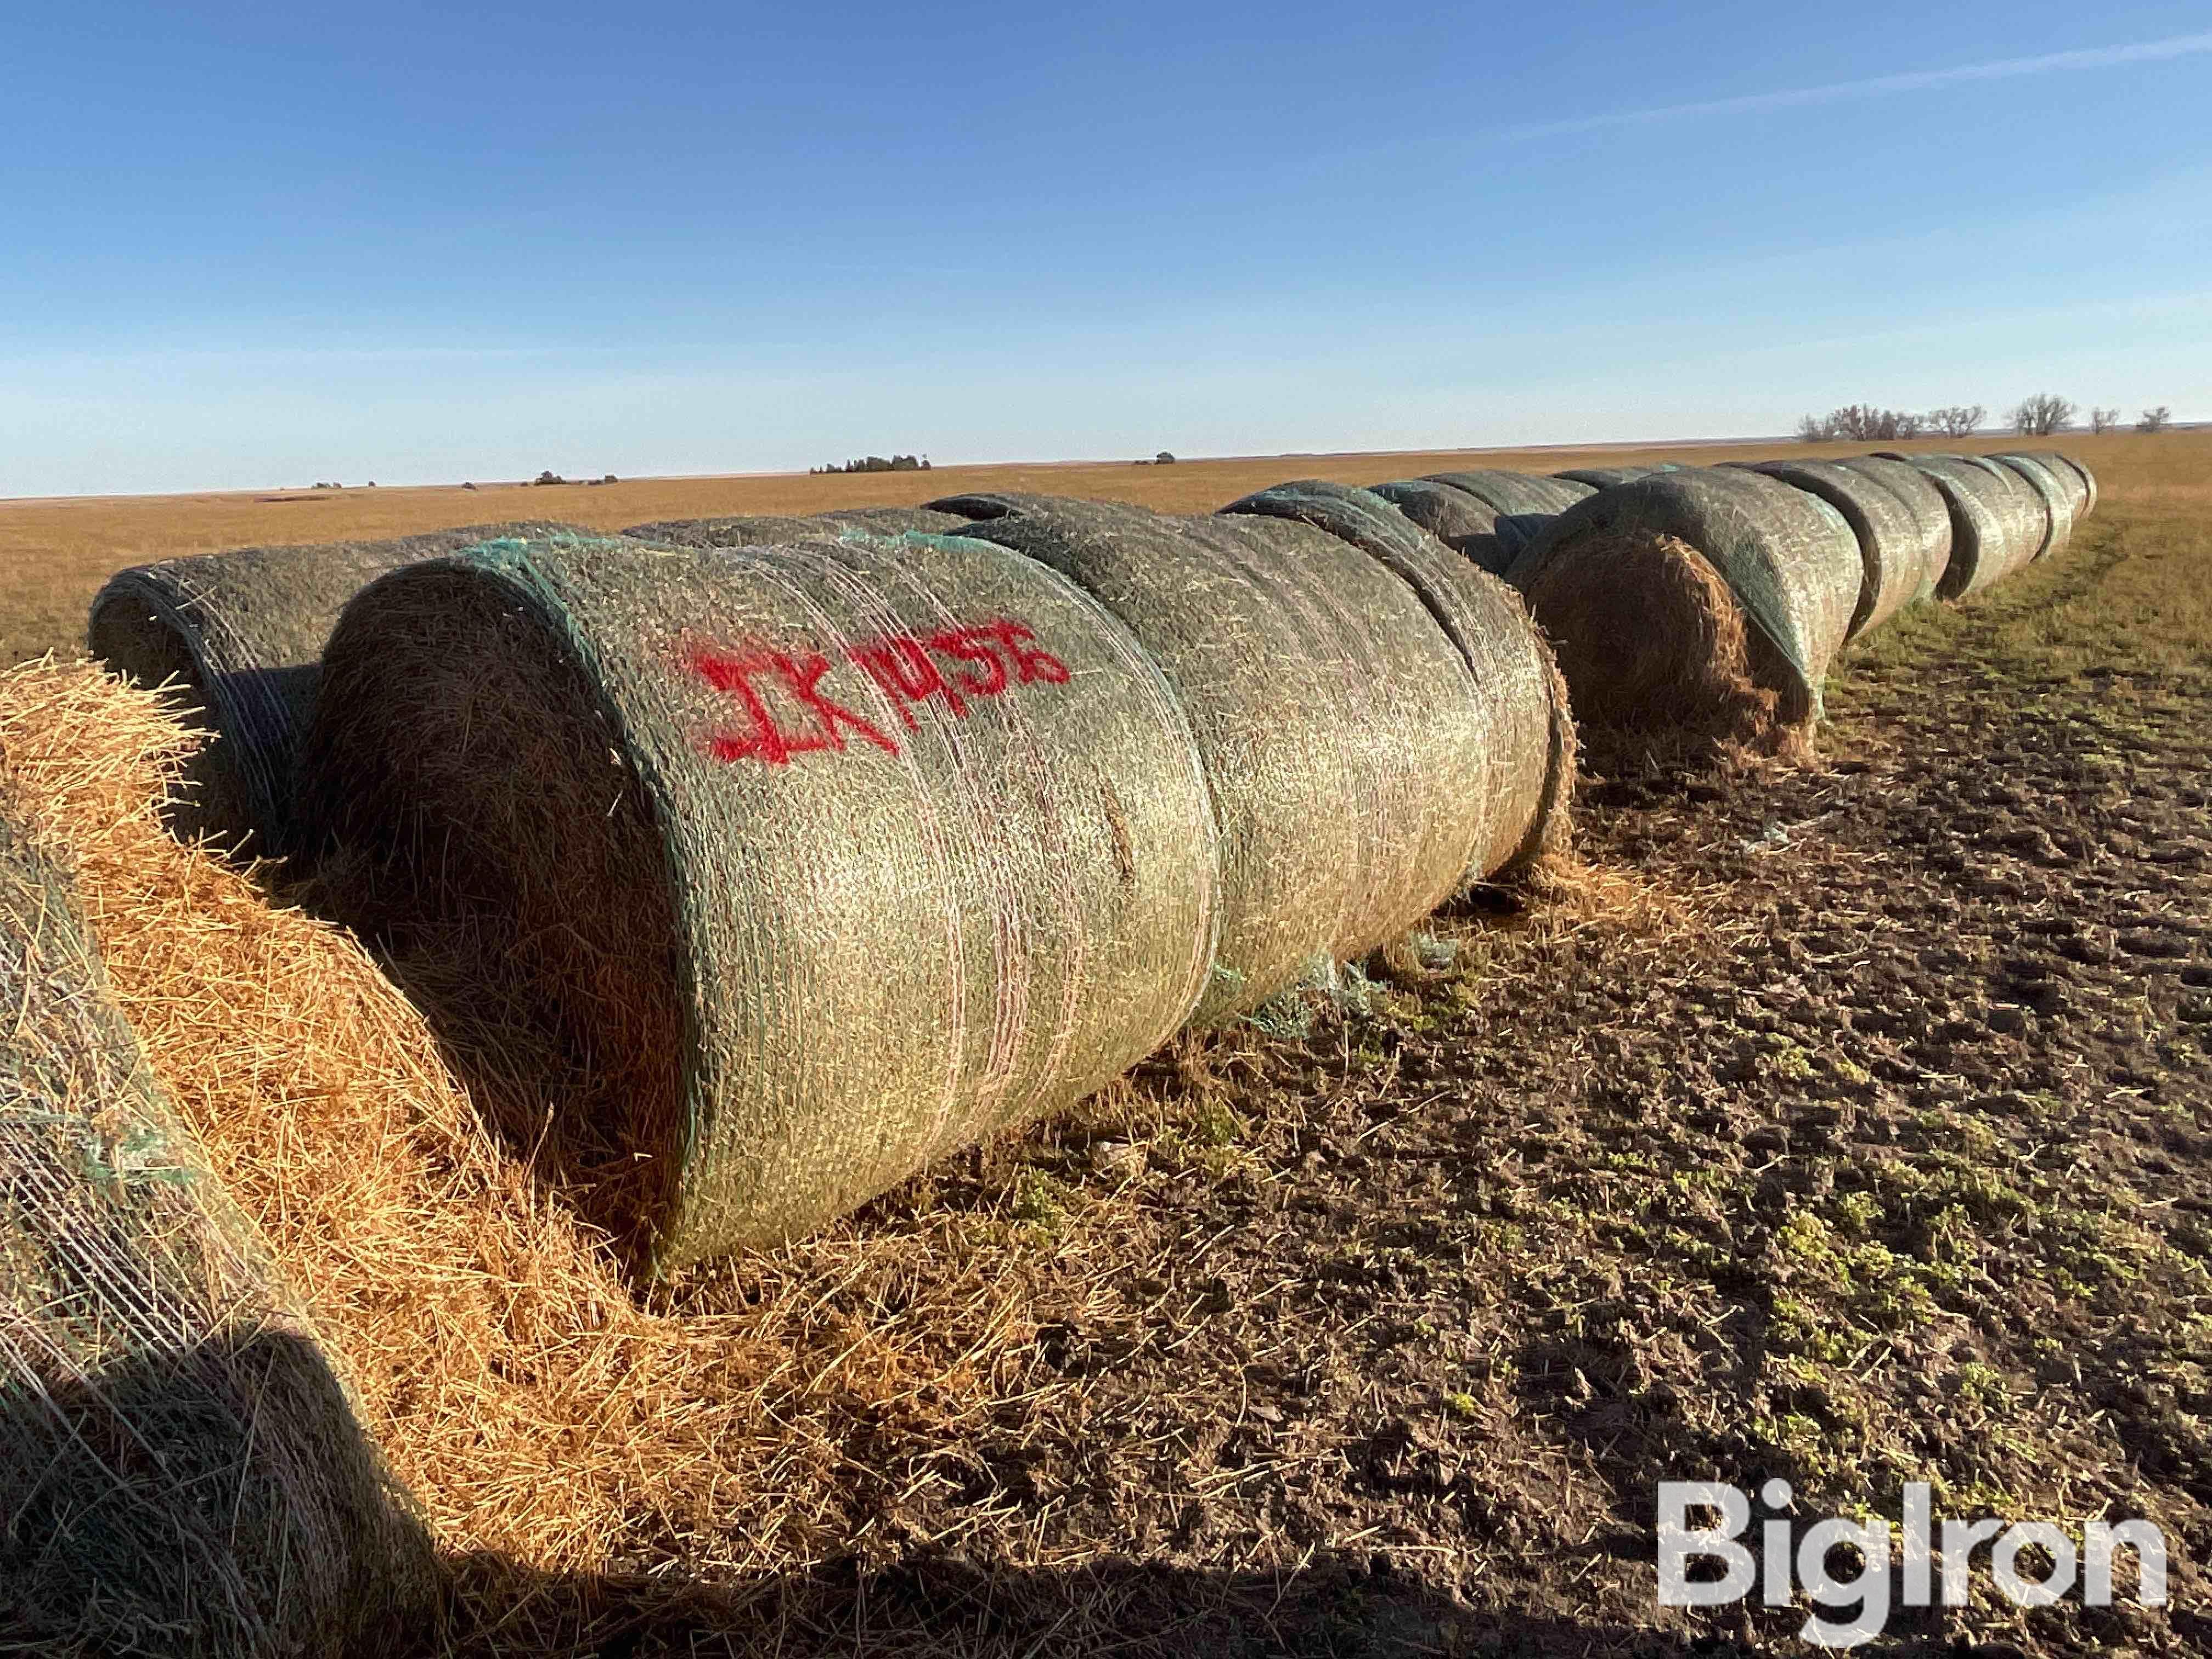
(1342, 737)
(238, 635)
(1926, 503)
(1654, 642)
(1532, 729)
(181, 1471)
(811, 864)
(1992, 530)
(2060, 498)
(1894, 543)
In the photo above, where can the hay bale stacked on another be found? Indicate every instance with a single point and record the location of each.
(1993, 528)
(1346, 744)
(818, 861)
(180, 1469)
(1897, 545)
(240, 633)
(2061, 498)
(1532, 730)
(1695, 607)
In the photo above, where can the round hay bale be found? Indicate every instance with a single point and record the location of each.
(821, 860)
(1895, 542)
(2063, 465)
(1452, 516)
(2037, 523)
(1342, 736)
(238, 635)
(1993, 530)
(2059, 497)
(897, 520)
(1517, 492)
(1532, 729)
(181, 1471)
(1919, 494)
(1604, 477)
(1644, 636)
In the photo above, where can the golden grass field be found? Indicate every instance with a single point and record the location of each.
(54, 554)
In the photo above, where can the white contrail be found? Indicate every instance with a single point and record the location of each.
(2142, 51)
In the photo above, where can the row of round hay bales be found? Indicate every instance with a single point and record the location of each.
(832, 850)
(238, 636)
(1487, 515)
(181, 1470)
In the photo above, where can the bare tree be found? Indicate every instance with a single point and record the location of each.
(1814, 429)
(2155, 420)
(2042, 415)
(1956, 420)
(2104, 420)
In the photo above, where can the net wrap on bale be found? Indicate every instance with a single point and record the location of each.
(1926, 502)
(1515, 492)
(1531, 743)
(2062, 497)
(1341, 734)
(241, 634)
(1896, 543)
(1993, 526)
(827, 859)
(180, 1470)
(1604, 477)
(761, 529)
(1625, 584)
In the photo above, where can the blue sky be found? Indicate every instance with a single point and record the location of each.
(261, 244)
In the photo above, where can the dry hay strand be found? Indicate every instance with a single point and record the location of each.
(1531, 741)
(181, 1470)
(1346, 744)
(552, 1428)
(800, 866)
(1656, 654)
(236, 638)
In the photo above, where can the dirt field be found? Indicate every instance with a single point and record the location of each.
(1848, 1124)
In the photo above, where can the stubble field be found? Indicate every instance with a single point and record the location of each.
(1847, 1123)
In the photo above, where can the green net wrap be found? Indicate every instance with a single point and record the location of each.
(1896, 543)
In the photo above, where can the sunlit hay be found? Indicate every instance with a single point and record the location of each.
(180, 1469)
(805, 869)
(1657, 654)
(498, 847)
(538, 1413)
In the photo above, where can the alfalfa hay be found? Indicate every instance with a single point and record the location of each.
(181, 1471)
(804, 866)
(1645, 636)
(237, 636)
(1341, 735)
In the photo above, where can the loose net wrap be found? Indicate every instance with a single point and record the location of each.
(1532, 729)
(1895, 542)
(818, 861)
(239, 634)
(180, 1470)
(1344, 740)
(2060, 497)
(1929, 507)
(1603, 582)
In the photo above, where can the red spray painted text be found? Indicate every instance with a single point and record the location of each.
(787, 712)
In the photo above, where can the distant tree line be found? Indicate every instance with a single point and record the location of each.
(2039, 417)
(878, 463)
